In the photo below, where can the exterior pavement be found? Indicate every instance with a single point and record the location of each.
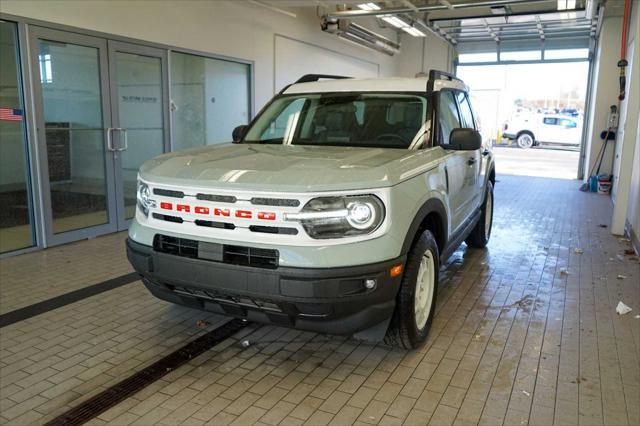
(525, 332)
(540, 161)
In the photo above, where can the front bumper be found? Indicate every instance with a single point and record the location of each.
(326, 300)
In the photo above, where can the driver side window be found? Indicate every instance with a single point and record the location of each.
(448, 118)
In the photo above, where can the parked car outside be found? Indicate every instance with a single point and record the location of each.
(529, 130)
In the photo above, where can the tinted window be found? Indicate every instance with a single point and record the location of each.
(465, 111)
(447, 116)
(550, 120)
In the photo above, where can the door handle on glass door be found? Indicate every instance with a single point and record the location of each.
(109, 141)
(125, 142)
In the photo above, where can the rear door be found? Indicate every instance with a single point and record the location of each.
(459, 173)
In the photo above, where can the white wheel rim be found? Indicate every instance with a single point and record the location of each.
(488, 215)
(424, 290)
(525, 141)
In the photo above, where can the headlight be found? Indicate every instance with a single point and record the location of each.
(337, 217)
(144, 200)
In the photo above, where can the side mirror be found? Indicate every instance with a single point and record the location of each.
(238, 133)
(464, 140)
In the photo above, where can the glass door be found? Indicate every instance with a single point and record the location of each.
(16, 215)
(72, 117)
(138, 133)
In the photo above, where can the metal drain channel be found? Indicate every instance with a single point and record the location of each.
(108, 398)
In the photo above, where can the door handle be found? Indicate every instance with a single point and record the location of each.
(485, 152)
(125, 142)
(472, 160)
(109, 141)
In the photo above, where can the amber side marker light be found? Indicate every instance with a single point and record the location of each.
(394, 271)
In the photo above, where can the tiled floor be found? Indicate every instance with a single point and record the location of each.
(525, 332)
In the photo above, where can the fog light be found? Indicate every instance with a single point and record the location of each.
(370, 284)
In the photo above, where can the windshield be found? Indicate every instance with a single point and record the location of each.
(386, 120)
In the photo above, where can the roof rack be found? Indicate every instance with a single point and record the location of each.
(308, 78)
(439, 75)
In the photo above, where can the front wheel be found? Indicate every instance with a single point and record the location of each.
(479, 236)
(525, 141)
(416, 299)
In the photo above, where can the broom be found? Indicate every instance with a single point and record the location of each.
(585, 186)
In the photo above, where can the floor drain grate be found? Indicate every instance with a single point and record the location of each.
(108, 398)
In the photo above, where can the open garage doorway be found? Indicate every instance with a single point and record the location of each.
(533, 113)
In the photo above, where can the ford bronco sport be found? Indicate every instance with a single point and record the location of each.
(332, 211)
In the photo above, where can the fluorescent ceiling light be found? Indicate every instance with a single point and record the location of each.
(414, 31)
(395, 21)
(566, 4)
(369, 6)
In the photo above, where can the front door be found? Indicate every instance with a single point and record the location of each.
(99, 115)
(461, 165)
(137, 76)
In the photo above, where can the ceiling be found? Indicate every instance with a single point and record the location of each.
(474, 21)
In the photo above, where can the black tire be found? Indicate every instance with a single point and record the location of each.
(525, 140)
(479, 236)
(403, 331)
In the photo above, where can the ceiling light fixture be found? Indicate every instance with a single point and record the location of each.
(395, 21)
(369, 6)
(414, 31)
(361, 36)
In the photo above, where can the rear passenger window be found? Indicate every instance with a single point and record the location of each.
(465, 111)
(550, 120)
(448, 118)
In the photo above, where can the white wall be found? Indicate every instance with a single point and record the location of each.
(604, 92)
(232, 28)
(633, 210)
(421, 54)
(625, 184)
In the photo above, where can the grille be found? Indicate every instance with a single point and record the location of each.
(273, 230)
(176, 246)
(168, 218)
(217, 198)
(231, 254)
(168, 193)
(215, 224)
(246, 301)
(250, 256)
(283, 202)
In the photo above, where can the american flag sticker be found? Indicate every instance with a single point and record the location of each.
(10, 114)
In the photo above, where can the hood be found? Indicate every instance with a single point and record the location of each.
(294, 168)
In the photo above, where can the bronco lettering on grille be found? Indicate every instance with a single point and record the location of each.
(219, 212)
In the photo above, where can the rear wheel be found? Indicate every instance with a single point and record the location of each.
(525, 140)
(479, 236)
(416, 300)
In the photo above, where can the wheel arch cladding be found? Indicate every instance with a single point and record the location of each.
(432, 216)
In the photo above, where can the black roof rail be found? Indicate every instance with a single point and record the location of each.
(308, 78)
(439, 75)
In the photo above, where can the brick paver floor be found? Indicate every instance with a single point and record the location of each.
(525, 332)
